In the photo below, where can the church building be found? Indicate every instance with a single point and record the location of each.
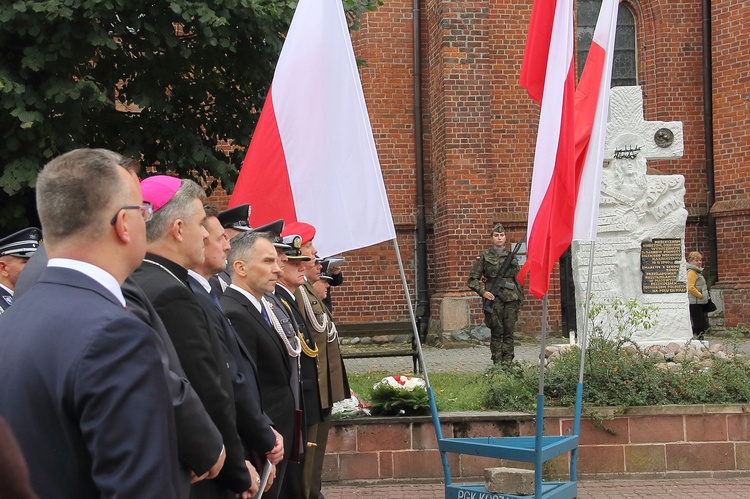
(455, 134)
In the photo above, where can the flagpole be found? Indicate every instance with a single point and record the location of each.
(420, 354)
(582, 341)
(411, 312)
(540, 404)
(584, 337)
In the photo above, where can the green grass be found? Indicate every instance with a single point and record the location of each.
(453, 391)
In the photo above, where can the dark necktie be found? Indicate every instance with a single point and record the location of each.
(264, 314)
(215, 298)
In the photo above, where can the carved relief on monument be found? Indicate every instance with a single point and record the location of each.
(635, 209)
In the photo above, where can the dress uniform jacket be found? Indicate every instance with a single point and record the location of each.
(200, 351)
(6, 298)
(83, 390)
(289, 326)
(308, 365)
(334, 385)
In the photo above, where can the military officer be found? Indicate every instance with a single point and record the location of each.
(235, 221)
(15, 251)
(506, 303)
(332, 379)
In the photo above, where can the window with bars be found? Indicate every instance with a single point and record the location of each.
(624, 63)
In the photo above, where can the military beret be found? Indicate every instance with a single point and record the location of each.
(498, 228)
(236, 218)
(22, 244)
(303, 229)
(274, 229)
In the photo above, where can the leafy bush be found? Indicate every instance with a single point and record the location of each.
(621, 377)
(618, 320)
(511, 389)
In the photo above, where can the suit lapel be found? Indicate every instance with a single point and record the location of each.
(284, 295)
(231, 333)
(259, 319)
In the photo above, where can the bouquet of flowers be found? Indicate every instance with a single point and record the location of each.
(350, 408)
(400, 396)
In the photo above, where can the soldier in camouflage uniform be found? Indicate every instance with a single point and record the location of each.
(505, 306)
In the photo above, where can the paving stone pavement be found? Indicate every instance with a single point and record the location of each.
(471, 358)
(686, 488)
(458, 358)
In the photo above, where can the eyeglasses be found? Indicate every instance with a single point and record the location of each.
(147, 212)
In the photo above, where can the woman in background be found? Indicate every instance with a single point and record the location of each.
(697, 294)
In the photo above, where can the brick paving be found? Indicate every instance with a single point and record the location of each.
(688, 488)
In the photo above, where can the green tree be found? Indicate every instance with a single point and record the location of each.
(162, 81)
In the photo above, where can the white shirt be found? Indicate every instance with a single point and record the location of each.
(96, 273)
(287, 290)
(250, 297)
(201, 280)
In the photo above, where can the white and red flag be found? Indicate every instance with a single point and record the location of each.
(312, 157)
(592, 109)
(549, 76)
(564, 201)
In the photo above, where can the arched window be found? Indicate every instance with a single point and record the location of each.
(624, 63)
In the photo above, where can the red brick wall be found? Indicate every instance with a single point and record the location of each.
(731, 101)
(479, 130)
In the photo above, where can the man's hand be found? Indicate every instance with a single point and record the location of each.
(488, 296)
(276, 454)
(215, 469)
(271, 478)
(254, 482)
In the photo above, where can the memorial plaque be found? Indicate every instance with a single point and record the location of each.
(660, 265)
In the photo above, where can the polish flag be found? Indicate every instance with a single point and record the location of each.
(548, 74)
(312, 157)
(591, 112)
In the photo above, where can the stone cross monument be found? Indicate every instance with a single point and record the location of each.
(640, 247)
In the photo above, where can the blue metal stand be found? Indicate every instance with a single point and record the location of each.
(537, 449)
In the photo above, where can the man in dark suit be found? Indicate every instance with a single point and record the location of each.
(175, 243)
(198, 440)
(91, 409)
(253, 265)
(253, 425)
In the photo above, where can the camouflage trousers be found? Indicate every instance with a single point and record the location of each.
(502, 322)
